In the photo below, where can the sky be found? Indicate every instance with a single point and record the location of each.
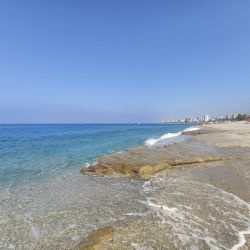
(123, 61)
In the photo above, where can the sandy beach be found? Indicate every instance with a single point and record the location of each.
(212, 175)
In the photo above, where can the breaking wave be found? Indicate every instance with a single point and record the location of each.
(154, 141)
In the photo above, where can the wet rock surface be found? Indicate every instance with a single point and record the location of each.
(96, 239)
(143, 162)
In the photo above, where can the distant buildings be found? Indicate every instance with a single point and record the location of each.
(209, 119)
(206, 118)
(187, 120)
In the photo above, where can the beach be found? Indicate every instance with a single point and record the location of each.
(212, 175)
(188, 194)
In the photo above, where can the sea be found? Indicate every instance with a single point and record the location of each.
(32, 152)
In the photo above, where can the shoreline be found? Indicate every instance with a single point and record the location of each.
(143, 161)
(59, 149)
(209, 152)
(198, 200)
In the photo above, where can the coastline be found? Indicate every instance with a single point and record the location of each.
(199, 200)
(217, 155)
(157, 155)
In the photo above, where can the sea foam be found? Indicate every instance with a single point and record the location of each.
(154, 141)
(194, 222)
(191, 129)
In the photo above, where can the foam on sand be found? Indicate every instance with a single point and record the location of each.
(192, 213)
(242, 239)
(164, 207)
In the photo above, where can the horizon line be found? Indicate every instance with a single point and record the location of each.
(91, 123)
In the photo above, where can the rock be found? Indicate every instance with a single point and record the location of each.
(95, 238)
(142, 162)
(146, 171)
(97, 169)
(199, 160)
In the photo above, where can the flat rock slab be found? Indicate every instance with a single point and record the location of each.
(142, 162)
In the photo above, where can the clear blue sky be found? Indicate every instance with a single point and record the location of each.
(123, 61)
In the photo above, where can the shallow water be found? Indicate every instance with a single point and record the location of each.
(174, 211)
(185, 213)
(200, 215)
(32, 152)
(58, 213)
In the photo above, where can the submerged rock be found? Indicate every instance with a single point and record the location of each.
(96, 238)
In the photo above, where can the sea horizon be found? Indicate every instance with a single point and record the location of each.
(102, 123)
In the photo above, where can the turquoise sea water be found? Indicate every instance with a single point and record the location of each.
(32, 152)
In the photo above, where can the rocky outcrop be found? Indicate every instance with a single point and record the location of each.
(137, 165)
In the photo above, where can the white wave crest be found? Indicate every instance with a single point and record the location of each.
(153, 141)
(191, 129)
